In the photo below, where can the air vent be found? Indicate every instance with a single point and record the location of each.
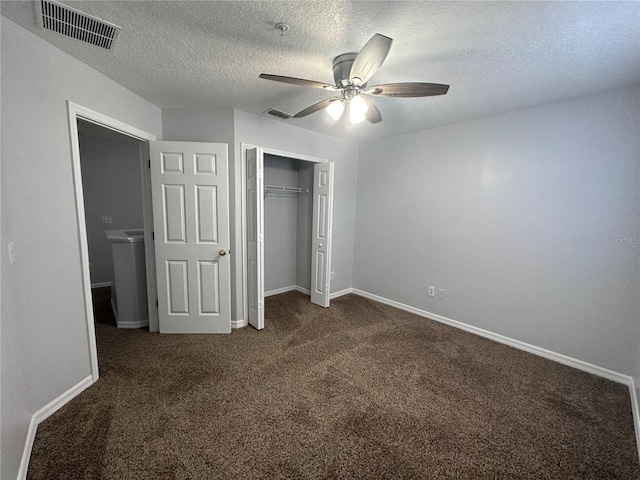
(278, 113)
(76, 24)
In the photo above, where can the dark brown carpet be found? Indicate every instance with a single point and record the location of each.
(359, 390)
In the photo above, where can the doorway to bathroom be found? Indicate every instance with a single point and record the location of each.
(107, 126)
(112, 180)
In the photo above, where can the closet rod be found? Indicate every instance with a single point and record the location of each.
(280, 189)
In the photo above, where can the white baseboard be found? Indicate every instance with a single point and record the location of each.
(278, 291)
(303, 290)
(100, 284)
(140, 324)
(119, 324)
(636, 412)
(340, 293)
(297, 288)
(44, 413)
(542, 352)
(239, 323)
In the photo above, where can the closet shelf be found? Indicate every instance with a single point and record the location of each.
(277, 189)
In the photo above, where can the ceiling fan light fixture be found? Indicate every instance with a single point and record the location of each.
(352, 72)
(335, 109)
(357, 110)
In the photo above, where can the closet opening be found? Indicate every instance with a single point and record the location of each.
(288, 210)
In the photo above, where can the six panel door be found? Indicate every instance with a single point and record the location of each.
(189, 185)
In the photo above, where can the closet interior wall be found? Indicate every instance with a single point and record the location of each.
(287, 225)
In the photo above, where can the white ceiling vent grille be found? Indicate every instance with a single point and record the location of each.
(279, 113)
(75, 24)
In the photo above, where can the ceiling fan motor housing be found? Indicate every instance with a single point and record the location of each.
(342, 68)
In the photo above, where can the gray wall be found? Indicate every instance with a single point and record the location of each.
(287, 224)
(210, 125)
(43, 334)
(112, 186)
(518, 217)
(261, 131)
(280, 224)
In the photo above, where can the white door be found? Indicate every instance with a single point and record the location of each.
(321, 233)
(255, 229)
(189, 186)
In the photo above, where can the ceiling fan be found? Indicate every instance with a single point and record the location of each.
(351, 72)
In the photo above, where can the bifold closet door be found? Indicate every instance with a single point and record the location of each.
(255, 236)
(321, 233)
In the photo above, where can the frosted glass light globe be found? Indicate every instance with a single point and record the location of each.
(357, 110)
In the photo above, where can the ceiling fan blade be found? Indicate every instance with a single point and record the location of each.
(298, 81)
(315, 107)
(370, 58)
(373, 115)
(407, 90)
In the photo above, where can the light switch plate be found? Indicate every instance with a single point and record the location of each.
(12, 248)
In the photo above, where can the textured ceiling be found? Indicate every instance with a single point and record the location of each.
(497, 56)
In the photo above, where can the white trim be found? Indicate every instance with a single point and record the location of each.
(240, 323)
(542, 352)
(297, 288)
(76, 112)
(243, 227)
(278, 291)
(295, 156)
(100, 284)
(636, 412)
(149, 245)
(303, 290)
(28, 445)
(340, 293)
(111, 123)
(44, 413)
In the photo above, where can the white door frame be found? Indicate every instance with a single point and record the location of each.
(78, 112)
(243, 209)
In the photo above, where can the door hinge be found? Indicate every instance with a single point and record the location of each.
(153, 235)
(149, 163)
(156, 303)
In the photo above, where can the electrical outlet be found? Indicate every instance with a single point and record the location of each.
(333, 275)
(431, 291)
(441, 294)
(107, 220)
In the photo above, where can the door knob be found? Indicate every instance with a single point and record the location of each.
(222, 252)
